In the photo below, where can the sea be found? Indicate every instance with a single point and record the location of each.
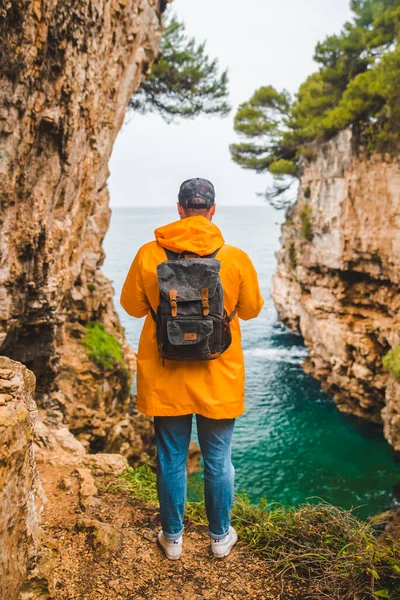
(292, 445)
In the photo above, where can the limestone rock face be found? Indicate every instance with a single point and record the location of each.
(67, 71)
(338, 279)
(21, 494)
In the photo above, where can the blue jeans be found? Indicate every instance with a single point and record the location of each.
(172, 441)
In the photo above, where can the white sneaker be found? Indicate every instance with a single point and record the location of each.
(221, 548)
(172, 549)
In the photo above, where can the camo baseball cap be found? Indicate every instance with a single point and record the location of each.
(196, 188)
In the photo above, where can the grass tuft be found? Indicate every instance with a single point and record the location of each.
(292, 255)
(306, 229)
(326, 548)
(391, 361)
(102, 347)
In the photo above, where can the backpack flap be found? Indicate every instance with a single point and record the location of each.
(190, 322)
(188, 332)
(188, 276)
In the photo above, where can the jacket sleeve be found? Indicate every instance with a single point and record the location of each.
(250, 300)
(133, 298)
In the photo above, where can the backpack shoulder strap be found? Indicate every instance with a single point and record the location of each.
(153, 314)
(170, 254)
(230, 317)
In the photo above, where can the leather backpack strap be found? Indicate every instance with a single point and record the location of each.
(205, 304)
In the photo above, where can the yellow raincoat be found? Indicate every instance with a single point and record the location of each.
(215, 388)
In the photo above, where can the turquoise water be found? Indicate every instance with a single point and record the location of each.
(292, 444)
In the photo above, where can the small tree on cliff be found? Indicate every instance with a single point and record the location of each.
(264, 120)
(184, 82)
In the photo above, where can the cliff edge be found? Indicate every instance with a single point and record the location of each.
(337, 280)
(68, 70)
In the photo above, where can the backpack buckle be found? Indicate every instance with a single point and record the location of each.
(173, 303)
(204, 301)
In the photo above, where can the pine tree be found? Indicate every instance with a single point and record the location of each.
(357, 85)
(184, 81)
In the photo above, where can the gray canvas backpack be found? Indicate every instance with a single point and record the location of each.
(191, 321)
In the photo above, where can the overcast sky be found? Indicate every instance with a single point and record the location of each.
(261, 42)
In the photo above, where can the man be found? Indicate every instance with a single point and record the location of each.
(172, 391)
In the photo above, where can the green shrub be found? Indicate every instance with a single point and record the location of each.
(292, 255)
(328, 548)
(307, 192)
(91, 287)
(102, 347)
(308, 152)
(391, 361)
(306, 229)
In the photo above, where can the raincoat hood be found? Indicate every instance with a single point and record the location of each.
(194, 234)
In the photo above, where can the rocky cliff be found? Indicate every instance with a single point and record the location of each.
(21, 494)
(67, 71)
(338, 280)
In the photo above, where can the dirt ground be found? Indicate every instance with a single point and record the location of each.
(104, 547)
